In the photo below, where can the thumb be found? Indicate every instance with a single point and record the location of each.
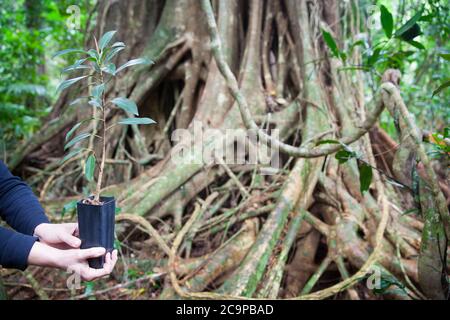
(69, 239)
(92, 253)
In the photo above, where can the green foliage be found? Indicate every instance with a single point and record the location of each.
(30, 30)
(440, 142)
(412, 39)
(90, 167)
(365, 176)
(344, 155)
(99, 68)
(331, 43)
(69, 208)
(387, 21)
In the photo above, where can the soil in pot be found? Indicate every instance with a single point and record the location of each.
(96, 226)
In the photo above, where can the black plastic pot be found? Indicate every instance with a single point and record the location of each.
(96, 227)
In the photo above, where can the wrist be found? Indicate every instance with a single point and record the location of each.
(45, 256)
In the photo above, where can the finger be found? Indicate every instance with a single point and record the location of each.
(69, 239)
(108, 262)
(91, 253)
(72, 228)
(113, 259)
(91, 274)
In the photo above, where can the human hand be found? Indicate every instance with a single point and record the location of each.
(61, 236)
(74, 260)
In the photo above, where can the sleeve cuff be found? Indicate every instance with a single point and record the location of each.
(35, 220)
(16, 251)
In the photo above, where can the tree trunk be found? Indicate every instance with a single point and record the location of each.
(289, 82)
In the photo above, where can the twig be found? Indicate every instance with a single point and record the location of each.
(118, 286)
(147, 227)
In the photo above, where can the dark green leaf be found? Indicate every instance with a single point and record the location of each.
(446, 56)
(386, 282)
(387, 22)
(65, 51)
(408, 26)
(328, 38)
(126, 104)
(417, 44)
(105, 39)
(78, 138)
(344, 155)
(374, 57)
(136, 121)
(446, 132)
(365, 176)
(90, 167)
(67, 83)
(133, 63)
(446, 84)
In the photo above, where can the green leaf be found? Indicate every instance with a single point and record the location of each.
(93, 54)
(78, 138)
(133, 63)
(110, 68)
(71, 154)
(65, 51)
(416, 44)
(90, 167)
(446, 84)
(72, 131)
(387, 22)
(76, 66)
(118, 44)
(387, 281)
(95, 102)
(126, 104)
(446, 56)
(329, 141)
(105, 39)
(328, 38)
(77, 100)
(137, 121)
(98, 90)
(410, 24)
(69, 207)
(374, 57)
(113, 52)
(344, 155)
(446, 132)
(67, 83)
(365, 176)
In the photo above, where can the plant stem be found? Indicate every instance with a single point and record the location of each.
(102, 163)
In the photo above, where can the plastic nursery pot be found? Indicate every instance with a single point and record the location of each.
(96, 227)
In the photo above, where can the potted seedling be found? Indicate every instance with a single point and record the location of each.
(96, 212)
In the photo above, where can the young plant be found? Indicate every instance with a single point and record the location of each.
(100, 70)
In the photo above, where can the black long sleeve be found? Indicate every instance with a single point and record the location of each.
(20, 208)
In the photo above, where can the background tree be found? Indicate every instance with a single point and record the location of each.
(313, 70)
